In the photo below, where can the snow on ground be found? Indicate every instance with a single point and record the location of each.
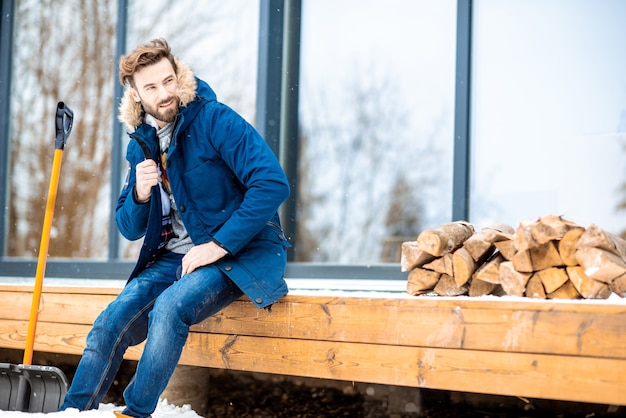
(164, 410)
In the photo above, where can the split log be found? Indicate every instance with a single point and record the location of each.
(534, 288)
(490, 271)
(618, 286)
(523, 236)
(441, 265)
(545, 255)
(552, 278)
(513, 282)
(481, 244)
(548, 258)
(444, 239)
(552, 228)
(506, 248)
(567, 246)
(587, 287)
(537, 258)
(412, 256)
(482, 288)
(422, 281)
(522, 262)
(567, 291)
(600, 264)
(446, 286)
(594, 236)
(545, 229)
(463, 266)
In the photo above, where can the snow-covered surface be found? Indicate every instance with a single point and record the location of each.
(295, 284)
(367, 288)
(164, 410)
(54, 281)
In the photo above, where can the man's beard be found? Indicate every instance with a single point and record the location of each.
(168, 115)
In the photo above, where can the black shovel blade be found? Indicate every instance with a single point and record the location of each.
(29, 388)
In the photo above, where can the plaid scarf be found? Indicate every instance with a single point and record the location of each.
(167, 231)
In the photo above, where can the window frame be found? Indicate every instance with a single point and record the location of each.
(277, 98)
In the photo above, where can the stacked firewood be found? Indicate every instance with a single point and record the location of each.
(550, 257)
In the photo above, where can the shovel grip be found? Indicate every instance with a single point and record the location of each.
(63, 123)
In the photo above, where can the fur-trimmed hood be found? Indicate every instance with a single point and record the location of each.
(131, 112)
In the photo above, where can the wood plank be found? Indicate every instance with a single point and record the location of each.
(512, 346)
(498, 324)
(96, 289)
(512, 374)
(72, 308)
(52, 338)
(396, 299)
(519, 329)
(526, 375)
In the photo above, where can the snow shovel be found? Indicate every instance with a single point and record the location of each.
(25, 387)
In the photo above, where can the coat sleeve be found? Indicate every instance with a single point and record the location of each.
(130, 215)
(257, 169)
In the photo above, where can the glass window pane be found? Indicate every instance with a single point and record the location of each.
(218, 39)
(62, 52)
(377, 108)
(549, 111)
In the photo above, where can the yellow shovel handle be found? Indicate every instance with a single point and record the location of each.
(43, 256)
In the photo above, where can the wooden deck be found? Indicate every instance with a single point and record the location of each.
(561, 350)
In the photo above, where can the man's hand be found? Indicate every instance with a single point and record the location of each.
(147, 177)
(202, 255)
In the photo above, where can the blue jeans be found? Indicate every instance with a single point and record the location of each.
(156, 305)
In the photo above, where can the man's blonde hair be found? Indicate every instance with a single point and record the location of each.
(143, 56)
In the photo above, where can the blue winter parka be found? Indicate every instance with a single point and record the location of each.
(227, 185)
